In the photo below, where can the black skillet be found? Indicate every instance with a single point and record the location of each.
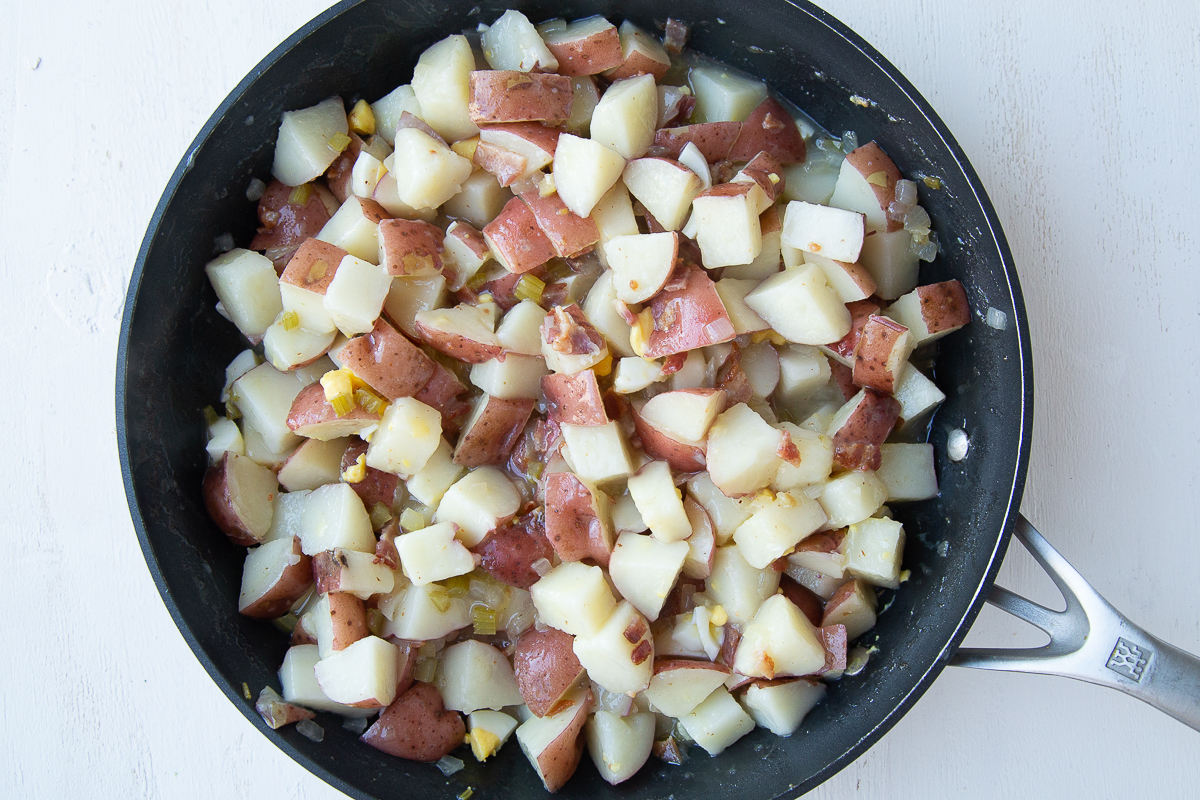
(174, 347)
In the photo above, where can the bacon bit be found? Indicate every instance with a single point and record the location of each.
(676, 36)
(787, 449)
(385, 548)
(642, 652)
(567, 330)
(673, 363)
(732, 378)
(771, 123)
(668, 750)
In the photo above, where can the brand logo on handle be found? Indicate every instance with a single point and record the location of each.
(1129, 660)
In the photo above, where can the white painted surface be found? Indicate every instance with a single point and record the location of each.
(1079, 116)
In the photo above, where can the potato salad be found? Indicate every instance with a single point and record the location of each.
(582, 373)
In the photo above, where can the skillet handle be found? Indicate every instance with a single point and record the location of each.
(1091, 641)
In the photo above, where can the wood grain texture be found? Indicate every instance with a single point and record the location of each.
(1080, 120)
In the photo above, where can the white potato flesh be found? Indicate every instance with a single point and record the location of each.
(850, 282)
(803, 370)
(799, 304)
(584, 170)
(852, 497)
(315, 463)
(308, 305)
(575, 598)
(659, 502)
(683, 639)
(724, 97)
(732, 292)
(907, 471)
(686, 416)
(569, 364)
(814, 180)
(408, 296)
(417, 617)
(596, 453)
(472, 676)
(489, 730)
(742, 451)
(853, 607)
(536, 735)
(462, 258)
(513, 378)
(909, 312)
(441, 84)
(513, 43)
(361, 575)
(600, 310)
(433, 554)
(351, 229)
(251, 489)
(519, 329)
(693, 374)
(477, 503)
(726, 513)
(479, 200)
(644, 570)
(831, 564)
(613, 215)
(891, 262)
(298, 680)
(781, 707)
(440, 472)
(408, 434)
(774, 530)
(874, 548)
(263, 568)
(830, 232)
(737, 586)
(626, 116)
(760, 362)
(619, 745)
(635, 373)
(677, 691)
(264, 395)
(916, 395)
(242, 363)
(820, 584)
(717, 722)
(248, 289)
(816, 459)
(779, 641)
(224, 436)
(854, 192)
(287, 349)
(641, 264)
(610, 658)
(334, 517)
(365, 673)
(389, 108)
(427, 172)
(702, 544)
(355, 295)
(691, 157)
(257, 450)
(365, 175)
(302, 150)
(727, 228)
(625, 516)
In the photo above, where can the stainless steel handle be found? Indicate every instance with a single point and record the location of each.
(1091, 641)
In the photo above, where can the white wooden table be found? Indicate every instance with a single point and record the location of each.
(1079, 116)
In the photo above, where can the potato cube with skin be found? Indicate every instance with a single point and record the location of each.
(303, 150)
(916, 395)
(574, 598)
(853, 606)
(516, 377)
(742, 455)
(425, 613)
(874, 548)
(625, 119)
(479, 199)
(288, 349)
(726, 513)
(717, 722)
(239, 495)
(248, 289)
(814, 459)
(433, 554)
(600, 309)
(907, 471)
(721, 95)
(365, 674)
(519, 330)
(488, 731)
(830, 232)
(334, 517)
(803, 370)
(620, 745)
(516, 240)
(641, 54)
(641, 264)
(851, 282)
(585, 47)
(634, 374)
(464, 332)
(569, 342)
(427, 172)
(686, 315)
(354, 228)
(933, 311)
(665, 187)
(298, 681)
(472, 676)
(352, 572)
(620, 655)
(569, 235)
(644, 570)
(408, 434)
(303, 283)
(867, 184)
(584, 170)
(407, 296)
(658, 501)
(513, 43)
(440, 83)
(439, 473)
(477, 503)
(881, 354)
(492, 430)
(356, 294)
(779, 641)
(337, 620)
(780, 706)
(389, 108)
(411, 247)
(852, 497)
(679, 685)
(726, 220)
(686, 414)
(274, 577)
(774, 530)
(597, 453)
(859, 428)
(551, 743)
(799, 304)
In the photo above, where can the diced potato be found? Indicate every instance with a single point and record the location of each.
(874, 548)
(641, 264)
(717, 722)
(733, 293)
(365, 673)
(887, 255)
(907, 471)
(472, 676)
(722, 95)
(287, 349)
(303, 150)
(513, 43)
(424, 613)
(355, 228)
(427, 172)
(779, 641)
(679, 686)
(737, 586)
(597, 453)
(634, 374)
(513, 378)
(774, 530)
(659, 503)
(726, 224)
(852, 497)
(686, 414)
(644, 570)
(742, 451)
(439, 474)
(829, 232)
(916, 395)
(726, 513)
(224, 436)
(264, 395)
(803, 370)
(477, 503)
(433, 554)
(619, 745)
(248, 289)
(575, 598)
(599, 309)
(408, 435)
(624, 120)
(479, 200)
(799, 304)
(356, 295)
(440, 82)
(584, 171)
(520, 329)
(816, 459)
(620, 654)
(665, 187)
(488, 731)
(781, 707)
(334, 517)
(409, 295)
(298, 680)
(389, 108)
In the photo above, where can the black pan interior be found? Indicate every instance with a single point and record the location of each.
(174, 348)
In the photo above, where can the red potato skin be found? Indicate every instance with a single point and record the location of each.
(589, 55)
(410, 120)
(303, 271)
(517, 239)
(843, 376)
(510, 96)
(408, 664)
(506, 165)
(509, 552)
(284, 224)
(669, 663)
(879, 338)
(944, 306)
(561, 757)
(769, 128)
(377, 486)
(539, 135)
(677, 110)
(311, 408)
(492, 437)
(688, 314)
(300, 634)
(822, 542)
(349, 617)
(219, 503)
(833, 637)
(417, 726)
(574, 399)
(411, 247)
(293, 582)
(546, 668)
(385, 548)
(658, 444)
(442, 392)
(387, 361)
(714, 139)
(337, 177)
(732, 378)
(856, 445)
(569, 235)
(860, 312)
(572, 526)
(729, 646)
(760, 169)
(803, 598)
(456, 345)
(869, 159)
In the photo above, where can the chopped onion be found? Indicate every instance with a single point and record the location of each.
(857, 660)
(849, 141)
(814, 490)
(906, 192)
(310, 730)
(224, 243)
(355, 725)
(541, 566)
(449, 765)
(996, 319)
(255, 190)
(957, 444)
(917, 219)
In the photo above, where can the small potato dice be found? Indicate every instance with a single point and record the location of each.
(742, 451)
(408, 434)
(303, 150)
(274, 577)
(717, 722)
(625, 119)
(426, 612)
(931, 312)
(509, 96)
(585, 47)
(597, 453)
(477, 503)
(298, 680)
(658, 501)
(433, 554)
(907, 471)
(427, 172)
(584, 171)
(737, 586)
(780, 706)
(513, 43)
(799, 304)
(779, 640)
(439, 474)
(472, 675)
(852, 497)
(726, 223)
(645, 569)
(440, 83)
(574, 598)
(721, 95)
(365, 674)
(874, 548)
(354, 227)
(248, 290)
(355, 295)
(620, 655)
(773, 531)
(665, 187)
(867, 184)
(334, 517)
(830, 232)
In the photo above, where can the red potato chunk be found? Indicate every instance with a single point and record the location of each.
(568, 331)
(881, 175)
(881, 354)
(387, 361)
(769, 128)
(688, 314)
(338, 176)
(311, 415)
(442, 392)
(517, 239)
(510, 96)
(682, 456)
(860, 312)
(376, 486)
(313, 265)
(574, 399)
(546, 669)
(270, 589)
(286, 223)
(714, 139)
(576, 525)
(586, 47)
(509, 552)
(238, 495)
(411, 247)
(856, 443)
(843, 377)
(417, 726)
(836, 643)
(348, 619)
(640, 55)
(803, 598)
(767, 171)
(507, 166)
(462, 332)
(492, 431)
(569, 234)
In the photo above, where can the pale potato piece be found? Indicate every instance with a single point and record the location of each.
(830, 232)
(516, 377)
(597, 453)
(641, 264)
(302, 149)
(907, 471)
(644, 570)
(265, 395)
(298, 681)
(433, 554)
(600, 310)
(620, 654)
(624, 120)
(732, 292)
(894, 267)
(678, 685)
(440, 82)
(513, 43)
(619, 746)
(799, 304)
(472, 676)
(477, 503)
(356, 295)
(407, 296)
(418, 617)
(334, 517)
(479, 200)
(781, 707)
(737, 586)
(815, 452)
(440, 472)
(742, 451)
(427, 172)
(779, 641)
(717, 722)
(726, 513)
(519, 330)
(726, 224)
(407, 437)
(852, 497)
(584, 171)
(723, 96)
(354, 228)
(389, 108)
(774, 530)
(665, 187)
(365, 674)
(575, 598)
(874, 548)
(248, 289)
